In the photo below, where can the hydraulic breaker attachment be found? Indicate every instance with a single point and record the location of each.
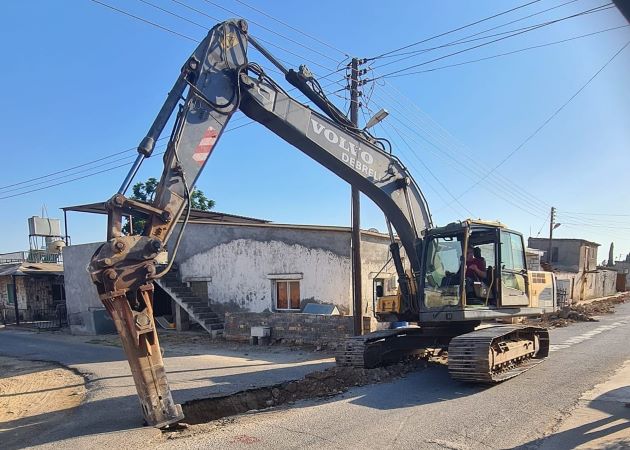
(140, 342)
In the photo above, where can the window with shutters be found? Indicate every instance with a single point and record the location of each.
(287, 294)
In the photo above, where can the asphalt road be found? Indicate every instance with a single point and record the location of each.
(111, 414)
(430, 411)
(424, 410)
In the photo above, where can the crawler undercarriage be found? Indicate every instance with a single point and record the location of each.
(487, 355)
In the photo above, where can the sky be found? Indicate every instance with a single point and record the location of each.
(503, 138)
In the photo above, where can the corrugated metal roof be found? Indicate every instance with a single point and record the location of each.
(583, 241)
(26, 268)
(195, 214)
(9, 269)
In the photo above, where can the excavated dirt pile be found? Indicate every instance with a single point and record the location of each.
(584, 312)
(325, 383)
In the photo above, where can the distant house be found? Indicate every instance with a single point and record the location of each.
(574, 262)
(623, 273)
(30, 287)
(533, 257)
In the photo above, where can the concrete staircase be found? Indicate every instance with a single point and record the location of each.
(198, 309)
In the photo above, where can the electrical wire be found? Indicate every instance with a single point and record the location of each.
(418, 174)
(543, 224)
(69, 181)
(415, 127)
(293, 28)
(428, 169)
(40, 182)
(474, 167)
(203, 13)
(73, 167)
(490, 189)
(474, 47)
(549, 119)
(173, 14)
(271, 31)
(469, 39)
(516, 191)
(415, 52)
(453, 30)
(101, 171)
(596, 214)
(486, 58)
(168, 30)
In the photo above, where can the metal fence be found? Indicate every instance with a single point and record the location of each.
(50, 318)
(562, 298)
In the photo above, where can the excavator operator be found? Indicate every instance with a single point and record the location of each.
(475, 265)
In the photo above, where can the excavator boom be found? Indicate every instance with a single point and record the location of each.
(218, 80)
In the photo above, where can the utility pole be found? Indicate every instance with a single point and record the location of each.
(357, 303)
(552, 225)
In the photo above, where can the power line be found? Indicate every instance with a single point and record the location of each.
(457, 41)
(67, 181)
(174, 14)
(453, 30)
(424, 181)
(388, 75)
(272, 31)
(197, 41)
(292, 27)
(489, 189)
(473, 166)
(44, 181)
(428, 169)
(73, 167)
(414, 129)
(549, 119)
(471, 38)
(595, 214)
(547, 44)
(168, 30)
(100, 171)
(203, 13)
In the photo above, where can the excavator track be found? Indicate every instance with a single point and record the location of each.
(380, 347)
(495, 354)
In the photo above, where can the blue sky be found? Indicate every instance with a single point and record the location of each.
(82, 82)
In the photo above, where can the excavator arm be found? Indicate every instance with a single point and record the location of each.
(218, 80)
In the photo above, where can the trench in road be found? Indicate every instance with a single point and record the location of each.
(327, 383)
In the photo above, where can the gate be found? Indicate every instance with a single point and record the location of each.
(51, 318)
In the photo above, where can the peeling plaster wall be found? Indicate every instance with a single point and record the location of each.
(238, 259)
(240, 271)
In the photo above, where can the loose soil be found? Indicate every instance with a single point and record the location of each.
(325, 383)
(581, 312)
(33, 388)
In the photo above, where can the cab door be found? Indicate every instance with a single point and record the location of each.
(513, 270)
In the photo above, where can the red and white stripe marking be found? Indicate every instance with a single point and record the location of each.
(205, 145)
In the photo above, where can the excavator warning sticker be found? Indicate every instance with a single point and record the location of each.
(205, 145)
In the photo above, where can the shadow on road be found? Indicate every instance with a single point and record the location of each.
(122, 413)
(618, 419)
(432, 385)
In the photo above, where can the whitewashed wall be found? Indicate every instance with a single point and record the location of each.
(240, 270)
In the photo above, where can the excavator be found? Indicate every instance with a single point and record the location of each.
(432, 288)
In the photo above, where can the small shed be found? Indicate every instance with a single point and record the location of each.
(28, 289)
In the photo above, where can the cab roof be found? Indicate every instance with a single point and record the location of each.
(455, 227)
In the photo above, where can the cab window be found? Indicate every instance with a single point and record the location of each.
(443, 275)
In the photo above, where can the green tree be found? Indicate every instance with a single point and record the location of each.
(145, 192)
